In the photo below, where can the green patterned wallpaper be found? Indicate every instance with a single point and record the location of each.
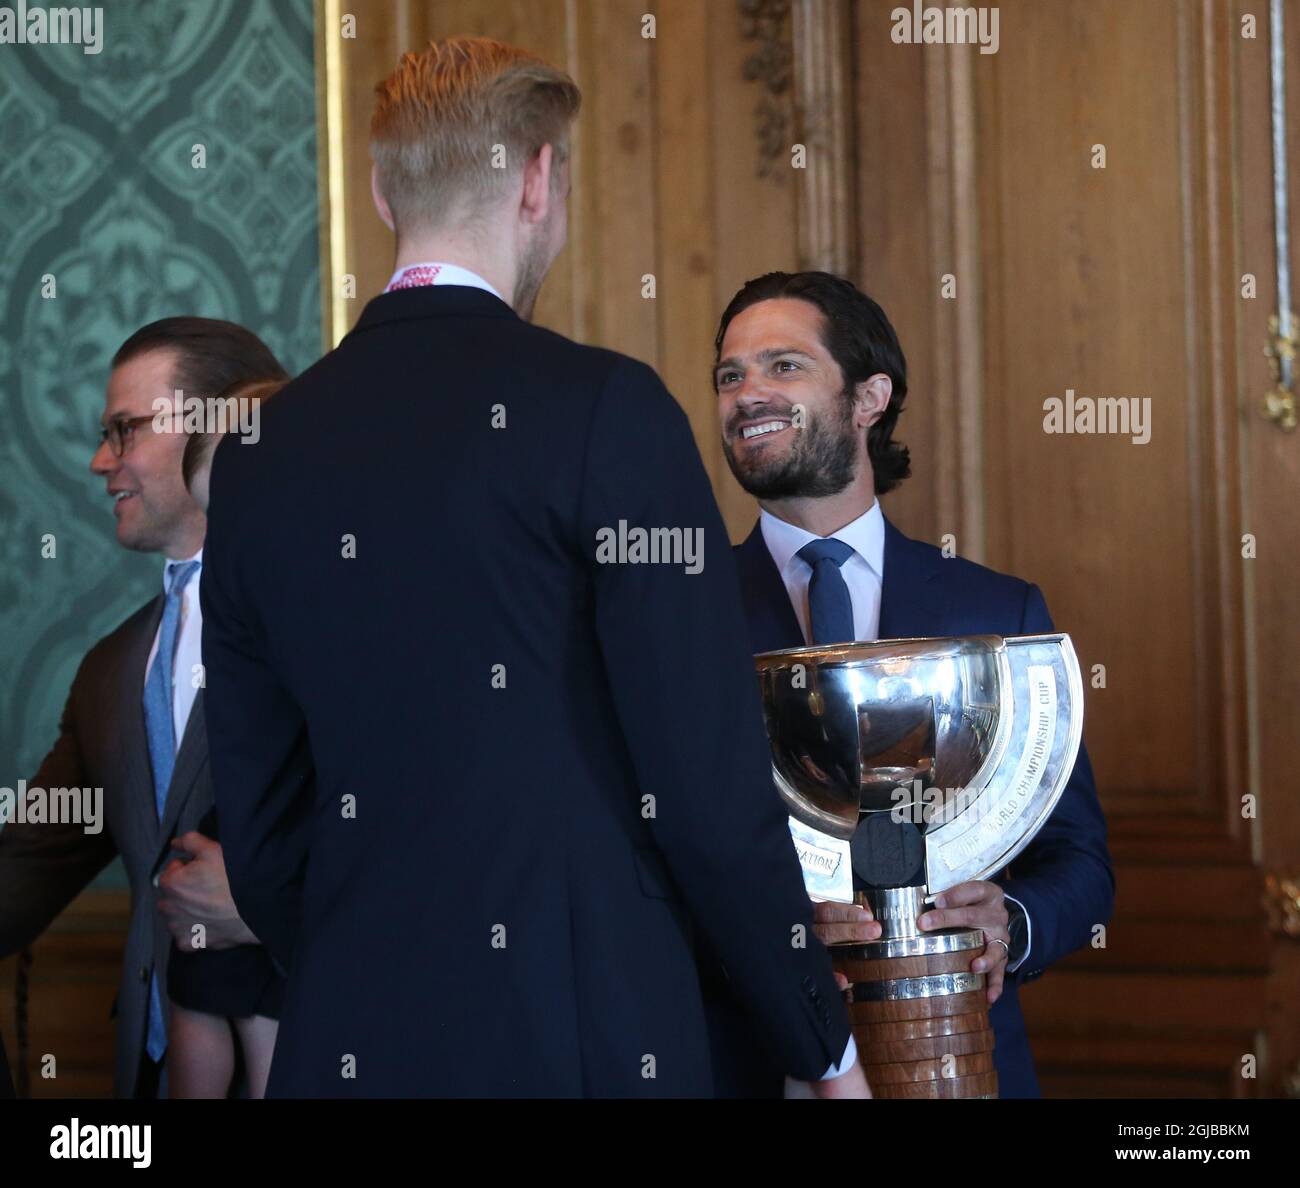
(97, 188)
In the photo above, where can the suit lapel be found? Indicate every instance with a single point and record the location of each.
(130, 740)
(190, 759)
(912, 599)
(772, 621)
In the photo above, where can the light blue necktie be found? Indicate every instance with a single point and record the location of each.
(162, 748)
(830, 609)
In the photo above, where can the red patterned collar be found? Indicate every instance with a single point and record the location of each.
(415, 276)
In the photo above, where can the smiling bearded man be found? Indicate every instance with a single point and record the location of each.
(810, 381)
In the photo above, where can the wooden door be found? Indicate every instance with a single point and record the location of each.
(1098, 190)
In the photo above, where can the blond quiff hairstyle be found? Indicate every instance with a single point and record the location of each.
(439, 115)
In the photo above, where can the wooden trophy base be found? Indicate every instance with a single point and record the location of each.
(920, 1017)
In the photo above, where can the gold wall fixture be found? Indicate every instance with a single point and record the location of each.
(1282, 903)
(1279, 402)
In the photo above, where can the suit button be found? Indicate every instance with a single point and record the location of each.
(144, 973)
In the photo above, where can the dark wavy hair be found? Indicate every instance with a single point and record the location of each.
(859, 338)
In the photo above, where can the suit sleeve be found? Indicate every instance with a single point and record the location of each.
(257, 741)
(674, 642)
(43, 867)
(1063, 877)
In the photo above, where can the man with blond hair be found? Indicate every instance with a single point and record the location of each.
(540, 767)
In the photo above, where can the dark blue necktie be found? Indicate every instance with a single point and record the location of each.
(830, 609)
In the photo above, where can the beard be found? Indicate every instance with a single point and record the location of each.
(822, 461)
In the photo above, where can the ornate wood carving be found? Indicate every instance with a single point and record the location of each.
(768, 23)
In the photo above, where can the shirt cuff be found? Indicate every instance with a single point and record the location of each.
(847, 1062)
(1029, 934)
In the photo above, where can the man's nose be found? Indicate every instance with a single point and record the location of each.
(102, 461)
(751, 396)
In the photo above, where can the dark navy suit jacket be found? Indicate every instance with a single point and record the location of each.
(1063, 877)
(535, 765)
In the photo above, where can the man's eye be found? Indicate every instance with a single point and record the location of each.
(791, 362)
(126, 429)
(726, 377)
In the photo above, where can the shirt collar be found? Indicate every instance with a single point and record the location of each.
(865, 536)
(169, 565)
(413, 276)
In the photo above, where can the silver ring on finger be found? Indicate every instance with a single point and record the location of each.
(995, 940)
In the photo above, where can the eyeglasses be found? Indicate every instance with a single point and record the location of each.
(120, 433)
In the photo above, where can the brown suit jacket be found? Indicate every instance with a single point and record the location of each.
(102, 744)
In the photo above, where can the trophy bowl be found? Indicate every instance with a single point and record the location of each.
(973, 737)
(858, 727)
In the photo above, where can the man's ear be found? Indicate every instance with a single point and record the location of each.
(536, 199)
(870, 399)
(381, 203)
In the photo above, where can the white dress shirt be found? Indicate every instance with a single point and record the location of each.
(864, 572)
(864, 575)
(189, 639)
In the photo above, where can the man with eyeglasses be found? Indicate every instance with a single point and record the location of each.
(133, 724)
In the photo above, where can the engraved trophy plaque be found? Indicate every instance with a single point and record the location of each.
(909, 766)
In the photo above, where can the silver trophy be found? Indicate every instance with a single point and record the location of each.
(915, 765)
